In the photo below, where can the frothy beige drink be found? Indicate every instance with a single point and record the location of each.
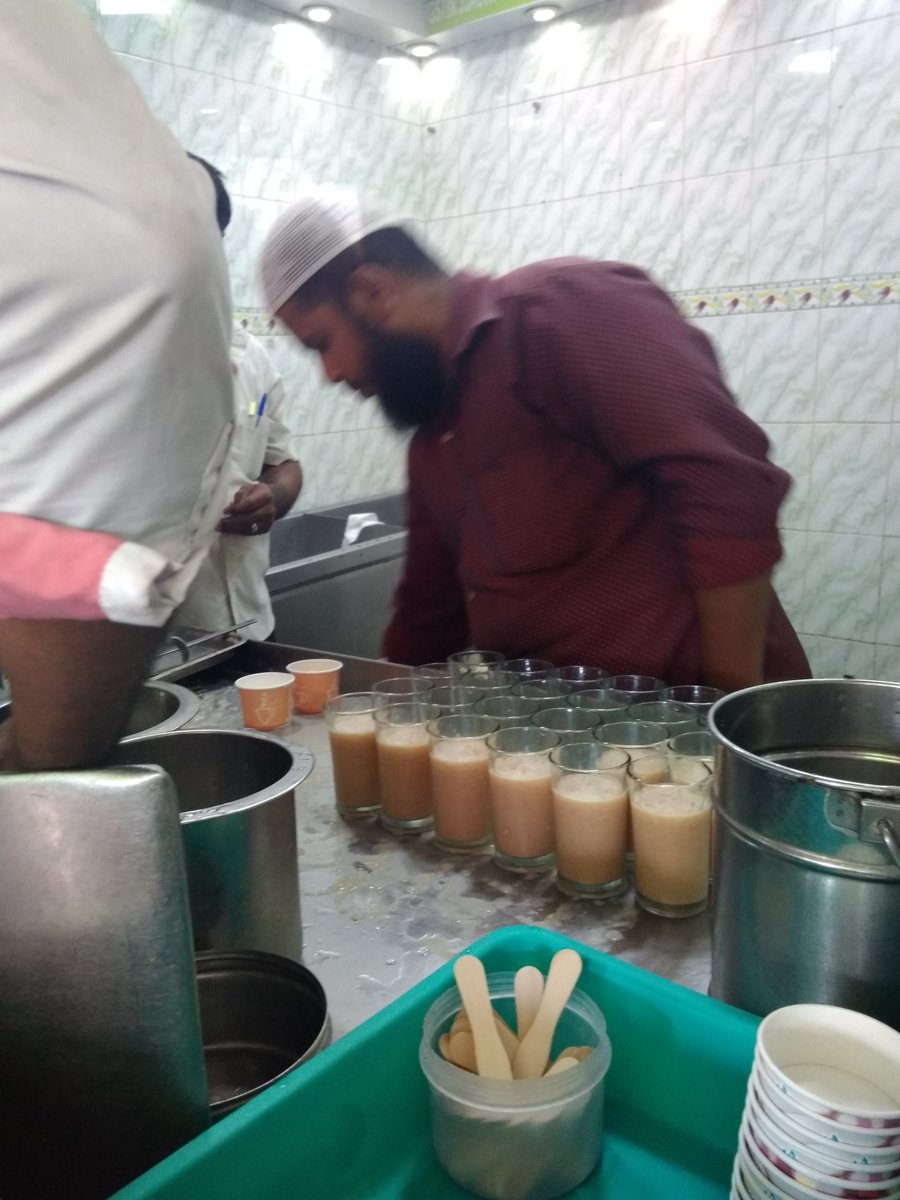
(460, 790)
(522, 805)
(590, 817)
(671, 824)
(355, 761)
(404, 768)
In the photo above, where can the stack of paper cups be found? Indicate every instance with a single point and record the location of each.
(822, 1115)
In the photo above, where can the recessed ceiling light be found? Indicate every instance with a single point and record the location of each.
(422, 49)
(544, 12)
(320, 13)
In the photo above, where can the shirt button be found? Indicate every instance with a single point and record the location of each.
(470, 596)
(446, 437)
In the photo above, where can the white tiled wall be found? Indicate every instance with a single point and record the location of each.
(678, 134)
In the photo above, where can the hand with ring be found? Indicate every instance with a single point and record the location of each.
(251, 511)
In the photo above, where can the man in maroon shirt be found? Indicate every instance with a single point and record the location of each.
(582, 486)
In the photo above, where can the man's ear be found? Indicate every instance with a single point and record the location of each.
(373, 293)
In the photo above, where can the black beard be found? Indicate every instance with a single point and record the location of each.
(407, 373)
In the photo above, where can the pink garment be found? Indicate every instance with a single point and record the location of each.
(592, 472)
(51, 571)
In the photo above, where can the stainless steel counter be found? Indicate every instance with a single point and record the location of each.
(381, 911)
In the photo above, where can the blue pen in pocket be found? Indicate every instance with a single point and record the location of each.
(262, 407)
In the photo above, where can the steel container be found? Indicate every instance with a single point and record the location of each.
(236, 797)
(101, 1056)
(262, 1016)
(806, 892)
(158, 708)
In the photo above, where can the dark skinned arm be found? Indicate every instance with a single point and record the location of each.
(257, 506)
(73, 684)
(733, 632)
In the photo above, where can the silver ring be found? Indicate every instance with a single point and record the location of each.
(254, 528)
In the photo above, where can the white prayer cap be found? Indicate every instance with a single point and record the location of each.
(308, 235)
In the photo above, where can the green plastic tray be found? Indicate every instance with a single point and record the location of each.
(354, 1121)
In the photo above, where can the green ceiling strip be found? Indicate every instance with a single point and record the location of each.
(450, 14)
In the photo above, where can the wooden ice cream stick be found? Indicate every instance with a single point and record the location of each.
(491, 1058)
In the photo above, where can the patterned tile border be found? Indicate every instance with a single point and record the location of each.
(791, 297)
(719, 302)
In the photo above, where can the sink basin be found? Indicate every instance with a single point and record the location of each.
(160, 707)
(330, 595)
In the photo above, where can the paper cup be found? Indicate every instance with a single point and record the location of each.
(834, 1063)
(316, 681)
(773, 1132)
(265, 699)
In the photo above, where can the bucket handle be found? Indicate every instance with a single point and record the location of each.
(889, 837)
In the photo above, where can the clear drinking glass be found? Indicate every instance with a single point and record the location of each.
(671, 829)
(521, 782)
(677, 718)
(454, 697)
(697, 695)
(507, 710)
(474, 662)
(640, 738)
(351, 733)
(686, 750)
(645, 741)
(569, 724)
(633, 688)
(497, 681)
(404, 764)
(399, 688)
(583, 677)
(607, 704)
(689, 753)
(590, 814)
(531, 668)
(459, 780)
(548, 691)
(432, 674)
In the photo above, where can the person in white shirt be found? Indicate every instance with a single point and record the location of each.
(116, 408)
(230, 586)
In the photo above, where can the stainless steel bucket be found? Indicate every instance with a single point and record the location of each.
(236, 797)
(806, 893)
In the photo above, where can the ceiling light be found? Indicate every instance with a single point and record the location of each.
(544, 12)
(422, 49)
(320, 13)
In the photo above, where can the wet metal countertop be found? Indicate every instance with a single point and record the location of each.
(381, 911)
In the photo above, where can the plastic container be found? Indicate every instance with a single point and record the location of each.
(520, 1139)
(354, 1123)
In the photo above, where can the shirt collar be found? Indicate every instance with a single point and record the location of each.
(473, 304)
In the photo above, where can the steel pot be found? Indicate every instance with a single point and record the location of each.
(262, 1016)
(236, 798)
(806, 894)
(158, 708)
